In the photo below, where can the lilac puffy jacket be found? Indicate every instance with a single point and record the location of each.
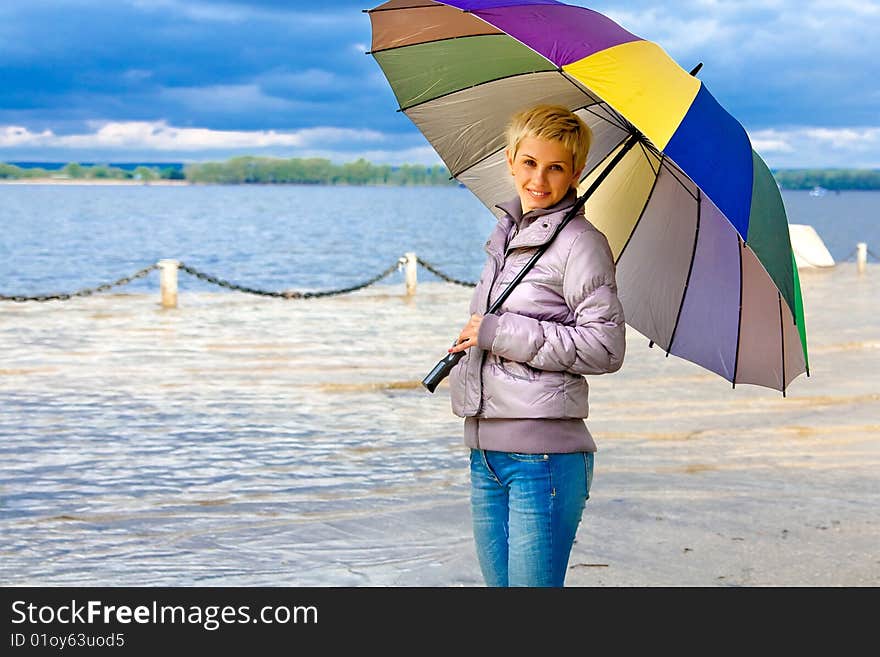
(562, 321)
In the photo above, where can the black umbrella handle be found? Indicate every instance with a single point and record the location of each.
(441, 370)
(444, 367)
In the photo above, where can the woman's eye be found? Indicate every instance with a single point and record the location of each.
(529, 163)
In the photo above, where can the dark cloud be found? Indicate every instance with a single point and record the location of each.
(130, 61)
(286, 66)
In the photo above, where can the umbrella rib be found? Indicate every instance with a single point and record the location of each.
(648, 147)
(688, 279)
(378, 9)
(659, 164)
(674, 171)
(626, 128)
(603, 160)
(476, 162)
(742, 246)
(639, 220)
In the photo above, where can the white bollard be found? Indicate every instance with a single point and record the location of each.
(168, 282)
(411, 269)
(861, 257)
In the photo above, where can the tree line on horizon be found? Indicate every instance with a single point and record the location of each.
(252, 170)
(76, 171)
(831, 179)
(319, 171)
(314, 171)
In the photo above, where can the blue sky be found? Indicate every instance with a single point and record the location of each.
(178, 80)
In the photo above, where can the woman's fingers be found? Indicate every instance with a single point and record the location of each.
(468, 336)
(463, 343)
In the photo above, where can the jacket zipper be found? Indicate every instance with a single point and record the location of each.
(499, 266)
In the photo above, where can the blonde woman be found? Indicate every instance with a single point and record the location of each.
(521, 386)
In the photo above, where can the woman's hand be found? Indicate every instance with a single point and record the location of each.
(468, 336)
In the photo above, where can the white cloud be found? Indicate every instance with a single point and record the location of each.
(811, 146)
(770, 143)
(679, 33)
(304, 17)
(752, 30)
(161, 137)
(13, 136)
(791, 147)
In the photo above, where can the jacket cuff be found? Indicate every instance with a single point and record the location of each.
(487, 332)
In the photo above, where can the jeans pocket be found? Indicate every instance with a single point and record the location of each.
(528, 458)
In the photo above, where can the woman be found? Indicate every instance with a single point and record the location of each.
(520, 386)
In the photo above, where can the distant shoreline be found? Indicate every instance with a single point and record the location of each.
(164, 182)
(93, 181)
(250, 170)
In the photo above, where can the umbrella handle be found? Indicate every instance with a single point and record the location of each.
(441, 370)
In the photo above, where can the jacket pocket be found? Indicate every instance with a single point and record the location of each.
(517, 370)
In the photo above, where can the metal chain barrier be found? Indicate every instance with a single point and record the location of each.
(284, 294)
(852, 256)
(289, 294)
(81, 293)
(440, 274)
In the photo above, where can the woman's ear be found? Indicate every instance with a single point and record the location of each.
(509, 154)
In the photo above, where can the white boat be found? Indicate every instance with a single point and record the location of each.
(818, 191)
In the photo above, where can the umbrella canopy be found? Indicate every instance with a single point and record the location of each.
(694, 217)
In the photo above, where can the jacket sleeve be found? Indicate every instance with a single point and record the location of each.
(595, 344)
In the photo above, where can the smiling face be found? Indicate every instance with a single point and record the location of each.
(543, 171)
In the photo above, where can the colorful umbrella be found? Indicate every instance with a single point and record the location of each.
(693, 215)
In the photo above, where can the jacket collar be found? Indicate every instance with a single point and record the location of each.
(513, 209)
(530, 232)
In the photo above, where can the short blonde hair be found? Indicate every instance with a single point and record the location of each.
(553, 123)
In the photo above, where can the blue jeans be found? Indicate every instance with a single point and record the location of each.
(526, 509)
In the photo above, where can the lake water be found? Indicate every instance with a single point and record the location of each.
(62, 238)
(269, 237)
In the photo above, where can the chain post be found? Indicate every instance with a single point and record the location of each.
(168, 282)
(411, 273)
(861, 257)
